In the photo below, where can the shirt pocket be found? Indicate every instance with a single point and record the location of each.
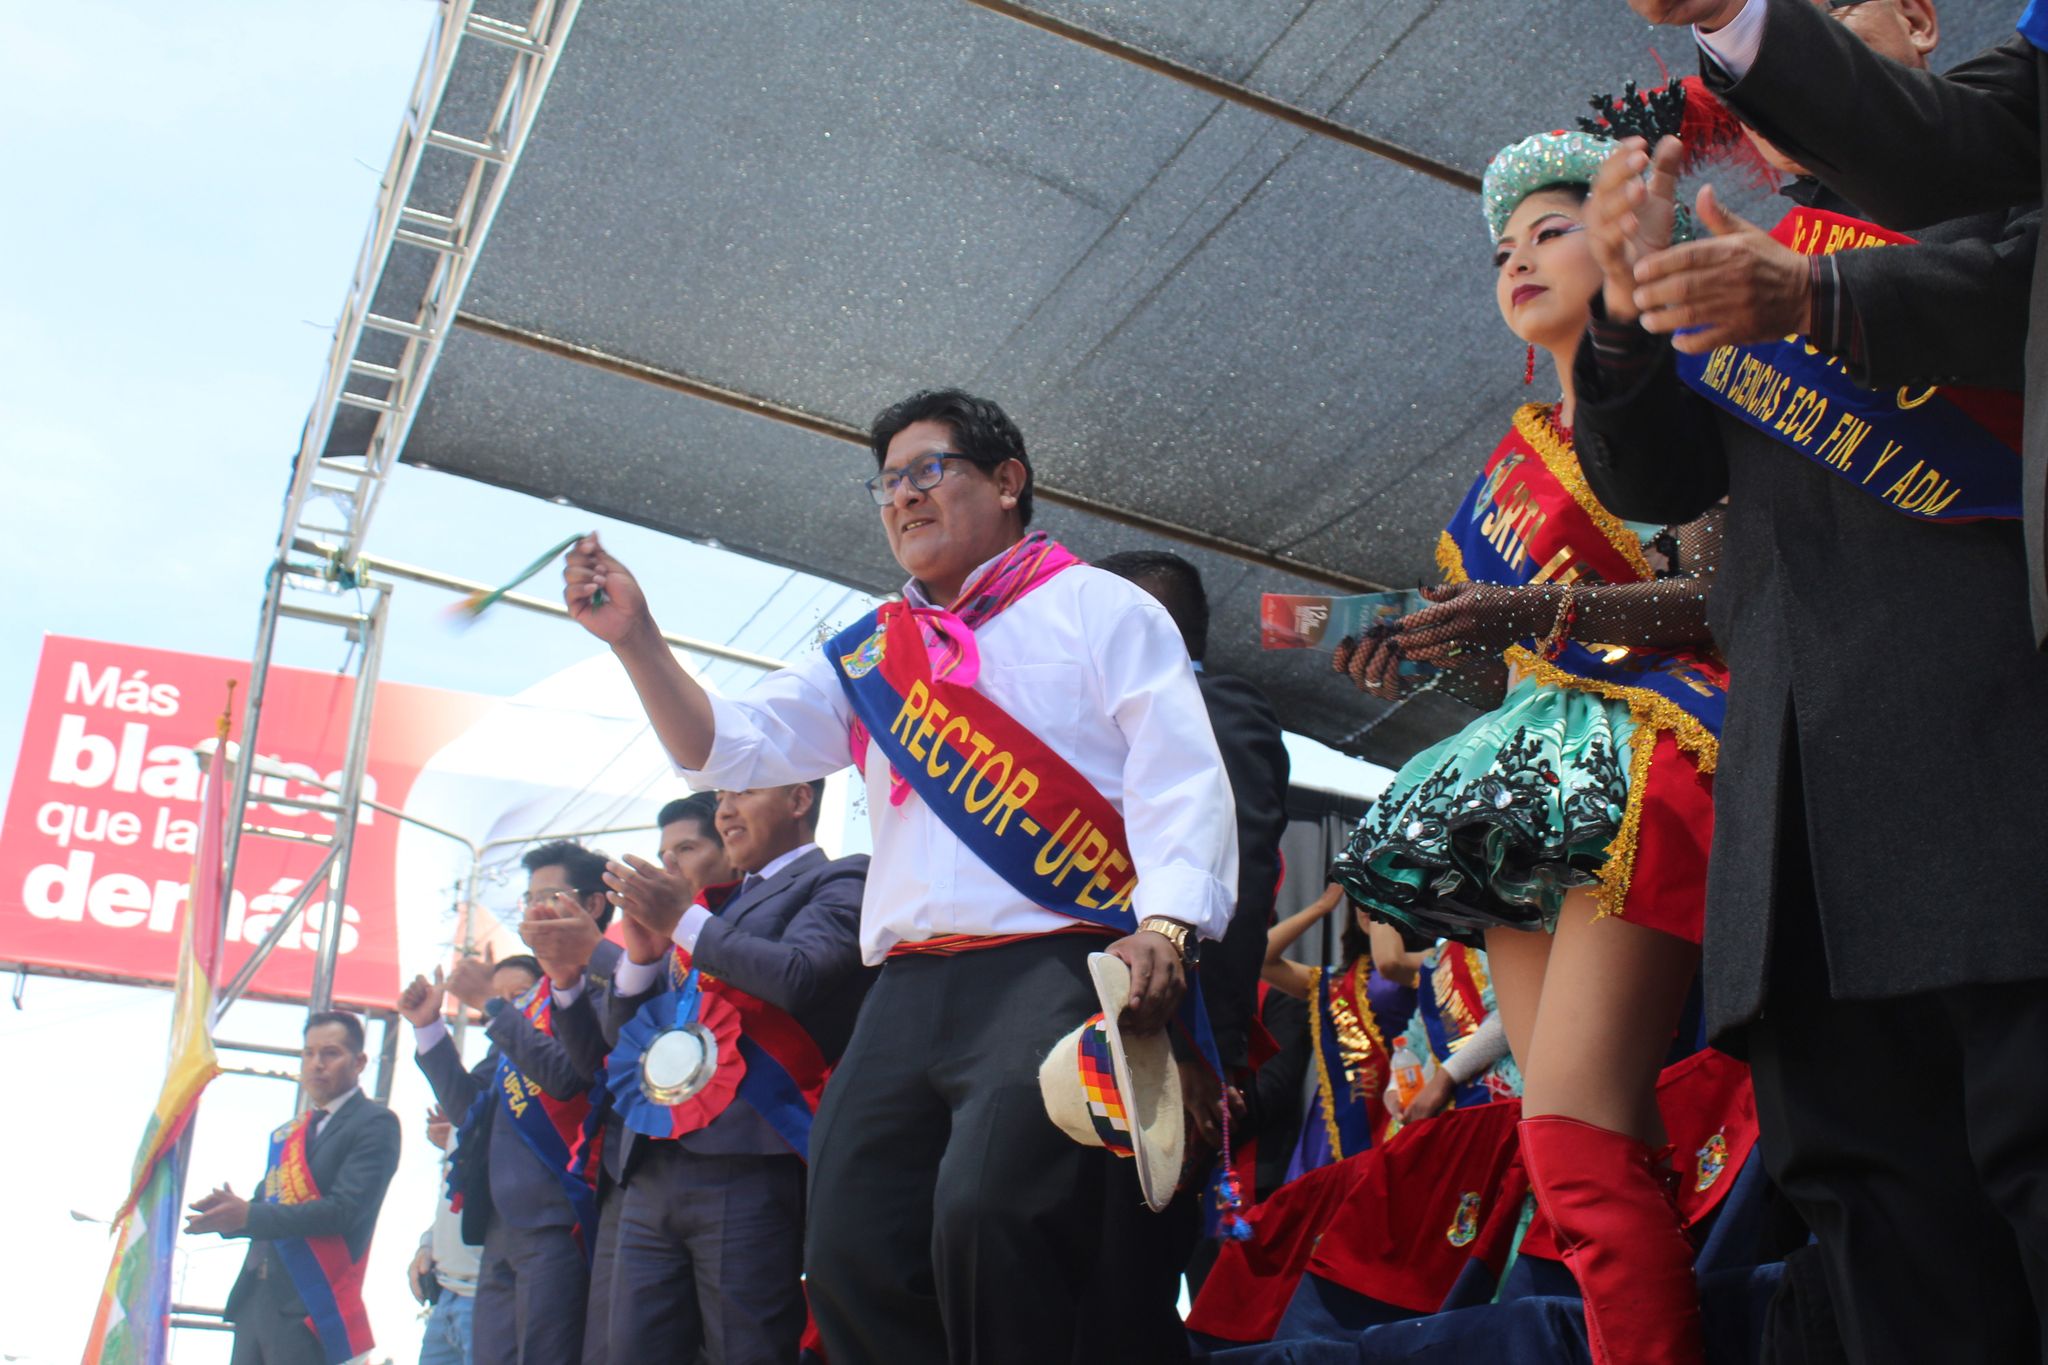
(1050, 700)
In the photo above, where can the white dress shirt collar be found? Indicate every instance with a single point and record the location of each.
(913, 591)
(776, 864)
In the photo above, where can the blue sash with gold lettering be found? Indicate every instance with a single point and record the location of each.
(1530, 518)
(1935, 454)
(1017, 805)
(552, 1129)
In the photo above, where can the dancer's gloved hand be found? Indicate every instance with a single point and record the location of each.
(1372, 663)
(1474, 618)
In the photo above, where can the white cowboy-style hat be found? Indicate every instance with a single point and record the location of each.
(1105, 1089)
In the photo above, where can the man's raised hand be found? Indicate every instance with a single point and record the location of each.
(420, 1002)
(587, 570)
(1629, 215)
(648, 892)
(563, 936)
(1736, 288)
(470, 982)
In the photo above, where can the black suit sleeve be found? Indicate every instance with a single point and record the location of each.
(1650, 447)
(350, 1200)
(616, 1011)
(580, 1026)
(1945, 312)
(455, 1087)
(1909, 147)
(1255, 758)
(546, 1061)
(818, 952)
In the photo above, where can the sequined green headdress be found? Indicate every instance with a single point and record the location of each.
(1685, 108)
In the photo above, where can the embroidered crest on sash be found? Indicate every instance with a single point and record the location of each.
(1712, 1159)
(863, 660)
(1465, 1223)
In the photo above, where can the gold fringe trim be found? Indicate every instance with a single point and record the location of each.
(1532, 420)
(1444, 980)
(1317, 1002)
(1450, 560)
(1618, 871)
(1649, 710)
(1358, 1032)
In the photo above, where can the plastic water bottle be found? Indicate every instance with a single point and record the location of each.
(1407, 1077)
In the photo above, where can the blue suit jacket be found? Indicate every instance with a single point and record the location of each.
(793, 940)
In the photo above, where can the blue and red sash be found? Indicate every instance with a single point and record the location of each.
(1530, 518)
(765, 1059)
(328, 1278)
(563, 1134)
(1453, 1006)
(1935, 454)
(1018, 806)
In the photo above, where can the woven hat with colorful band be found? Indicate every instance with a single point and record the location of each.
(1104, 1088)
(1572, 157)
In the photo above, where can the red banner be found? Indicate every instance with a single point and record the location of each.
(96, 849)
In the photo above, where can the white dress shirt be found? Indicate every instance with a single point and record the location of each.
(1095, 668)
(1734, 45)
(630, 978)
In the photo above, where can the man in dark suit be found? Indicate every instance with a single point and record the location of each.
(534, 1278)
(351, 1149)
(711, 1233)
(1877, 931)
(1148, 1250)
(1908, 146)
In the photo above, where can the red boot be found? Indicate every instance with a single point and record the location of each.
(1620, 1235)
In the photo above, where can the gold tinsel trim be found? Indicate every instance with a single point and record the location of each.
(1650, 710)
(1619, 869)
(1358, 1033)
(1450, 560)
(1316, 1003)
(1444, 980)
(1532, 420)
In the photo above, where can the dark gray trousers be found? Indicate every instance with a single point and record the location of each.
(596, 1318)
(950, 1220)
(270, 1328)
(531, 1291)
(710, 1256)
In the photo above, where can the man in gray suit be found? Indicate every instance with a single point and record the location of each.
(351, 1151)
(710, 1249)
(519, 1202)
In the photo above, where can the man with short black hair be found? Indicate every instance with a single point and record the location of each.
(1010, 691)
(711, 1235)
(310, 1225)
(521, 1110)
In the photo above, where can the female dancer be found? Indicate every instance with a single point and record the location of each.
(1354, 1013)
(1569, 826)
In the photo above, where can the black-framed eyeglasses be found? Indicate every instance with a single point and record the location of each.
(923, 474)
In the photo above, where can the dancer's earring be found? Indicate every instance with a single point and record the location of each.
(1529, 366)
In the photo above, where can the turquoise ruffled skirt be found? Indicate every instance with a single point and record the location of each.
(1491, 827)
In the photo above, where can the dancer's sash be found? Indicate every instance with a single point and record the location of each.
(1452, 1004)
(1003, 792)
(1530, 518)
(328, 1278)
(1935, 454)
(552, 1129)
(1351, 1058)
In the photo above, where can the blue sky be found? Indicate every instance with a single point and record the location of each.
(191, 185)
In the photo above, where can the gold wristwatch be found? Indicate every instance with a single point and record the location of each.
(1179, 935)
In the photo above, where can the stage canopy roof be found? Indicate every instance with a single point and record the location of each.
(738, 230)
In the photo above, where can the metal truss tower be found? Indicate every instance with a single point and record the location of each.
(472, 109)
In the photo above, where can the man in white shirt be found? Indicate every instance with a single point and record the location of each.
(948, 1217)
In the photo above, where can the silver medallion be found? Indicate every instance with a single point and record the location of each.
(678, 1063)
